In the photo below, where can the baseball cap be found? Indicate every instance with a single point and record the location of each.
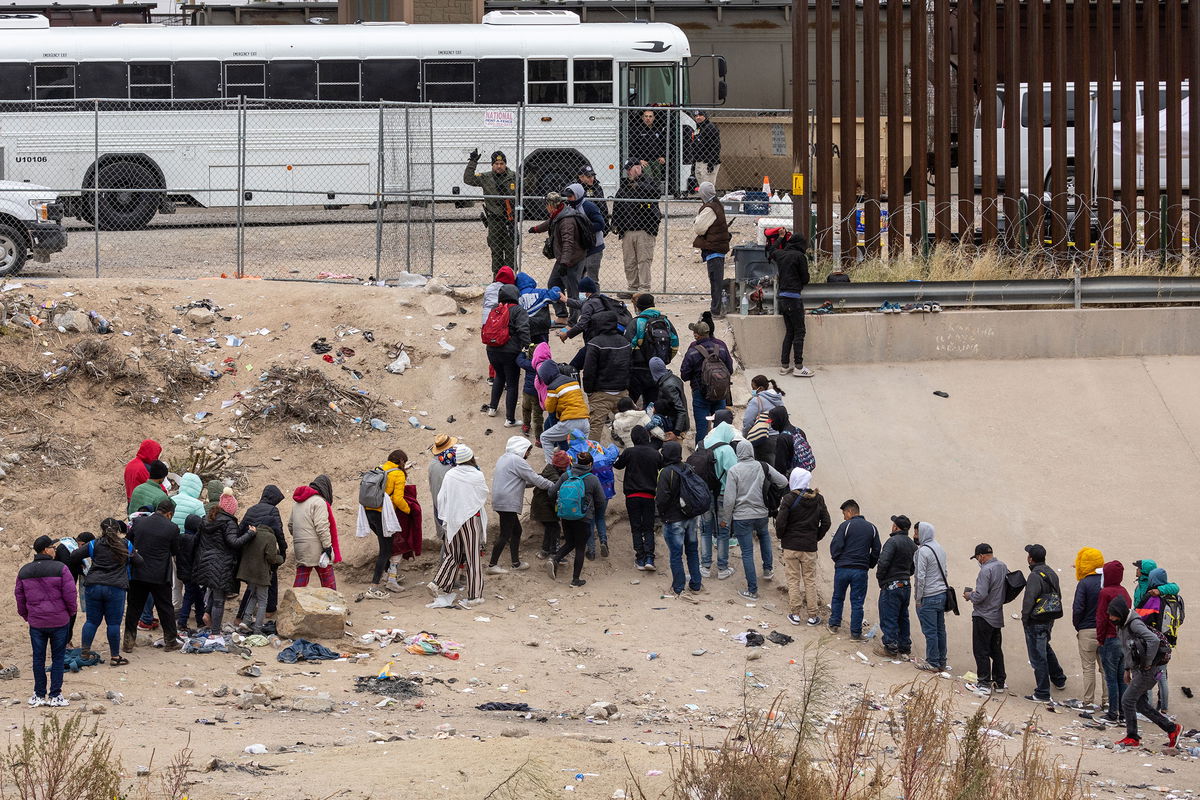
(902, 522)
(42, 542)
(700, 328)
(983, 548)
(630, 164)
(1036, 551)
(586, 169)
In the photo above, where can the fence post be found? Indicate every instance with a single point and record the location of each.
(379, 198)
(241, 179)
(518, 211)
(408, 194)
(667, 236)
(1163, 243)
(432, 197)
(96, 183)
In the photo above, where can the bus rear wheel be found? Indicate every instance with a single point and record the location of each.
(130, 194)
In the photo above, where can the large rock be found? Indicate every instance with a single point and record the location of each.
(440, 305)
(73, 322)
(201, 316)
(312, 705)
(311, 613)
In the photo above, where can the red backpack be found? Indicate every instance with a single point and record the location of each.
(495, 331)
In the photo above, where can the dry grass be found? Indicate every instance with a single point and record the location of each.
(59, 761)
(310, 403)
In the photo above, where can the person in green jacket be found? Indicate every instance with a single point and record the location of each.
(150, 492)
(499, 186)
(1144, 568)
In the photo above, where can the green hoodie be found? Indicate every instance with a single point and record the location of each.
(1144, 568)
(145, 494)
(214, 488)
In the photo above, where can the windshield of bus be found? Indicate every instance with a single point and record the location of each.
(652, 85)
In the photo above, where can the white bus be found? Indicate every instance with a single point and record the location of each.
(169, 98)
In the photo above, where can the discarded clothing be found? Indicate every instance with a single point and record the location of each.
(426, 644)
(205, 644)
(408, 543)
(780, 638)
(751, 639)
(73, 660)
(504, 707)
(256, 640)
(304, 650)
(384, 636)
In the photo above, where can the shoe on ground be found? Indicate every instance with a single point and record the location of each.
(525, 429)
(785, 370)
(706, 572)
(1129, 741)
(724, 574)
(1060, 686)
(58, 701)
(35, 701)
(591, 555)
(803, 372)
(749, 595)
(650, 566)
(768, 574)
(552, 568)
(578, 582)
(641, 566)
(978, 688)
(794, 619)
(857, 637)
(374, 591)
(147, 626)
(519, 567)
(1172, 737)
(814, 620)
(1035, 699)
(688, 597)
(491, 381)
(511, 423)
(129, 642)
(604, 549)
(541, 555)
(834, 629)
(925, 666)
(442, 601)
(496, 569)
(245, 629)
(478, 601)
(171, 647)
(491, 412)
(393, 585)
(885, 651)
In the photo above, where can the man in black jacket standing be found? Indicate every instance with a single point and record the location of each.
(606, 364)
(156, 538)
(635, 218)
(669, 405)
(704, 149)
(855, 551)
(1041, 605)
(787, 251)
(895, 587)
(641, 463)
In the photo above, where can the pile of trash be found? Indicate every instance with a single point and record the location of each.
(92, 359)
(24, 311)
(388, 686)
(303, 397)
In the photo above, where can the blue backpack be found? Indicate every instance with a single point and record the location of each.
(571, 496)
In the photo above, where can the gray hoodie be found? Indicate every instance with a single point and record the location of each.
(513, 476)
(762, 401)
(988, 595)
(742, 497)
(927, 580)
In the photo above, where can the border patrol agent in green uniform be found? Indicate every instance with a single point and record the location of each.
(499, 209)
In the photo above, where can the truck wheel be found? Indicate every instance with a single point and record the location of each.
(122, 206)
(13, 251)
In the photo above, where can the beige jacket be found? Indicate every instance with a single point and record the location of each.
(309, 526)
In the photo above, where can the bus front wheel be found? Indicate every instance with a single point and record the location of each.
(129, 197)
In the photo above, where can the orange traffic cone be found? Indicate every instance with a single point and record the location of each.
(767, 185)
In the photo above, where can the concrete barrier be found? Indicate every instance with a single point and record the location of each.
(979, 335)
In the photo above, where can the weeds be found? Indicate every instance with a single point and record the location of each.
(59, 761)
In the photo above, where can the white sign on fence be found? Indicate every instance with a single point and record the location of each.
(496, 118)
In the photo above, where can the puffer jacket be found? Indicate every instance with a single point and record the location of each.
(565, 399)
(536, 303)
(1144, 567)
(564, 235)
(189, 547)
(803, 520)
(1088, 562)
(45, 592)
(137, 471)
(607, 356)
(393, 487)
(187, 500)
(593, 306)
(217, 552)
(266, 512)
(541, 508)
(309, 524)
(896, 559)
(108, 568)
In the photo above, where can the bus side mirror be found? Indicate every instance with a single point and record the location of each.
(722, 91)
(722, 68)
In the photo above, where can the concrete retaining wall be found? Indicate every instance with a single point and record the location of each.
(867, 338)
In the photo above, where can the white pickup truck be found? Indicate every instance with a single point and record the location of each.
(30, 224)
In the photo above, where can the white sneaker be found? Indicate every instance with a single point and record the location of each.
(442, 601)
(496, 569)
(58, 701)
(511, 423)
(393, 586)
(434, 589)
(491, 412)
(724, 574)
(35, 701)
(706, 572)
(478, 601)
(785, 370)
(803, 372)
(524, 565)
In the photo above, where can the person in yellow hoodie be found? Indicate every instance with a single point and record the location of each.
(566, 404)
(394, 468)
(1088, 565)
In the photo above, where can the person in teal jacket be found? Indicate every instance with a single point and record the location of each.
(1144, 568)
(187, 500)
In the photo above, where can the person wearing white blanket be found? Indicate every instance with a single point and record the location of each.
(462, 508)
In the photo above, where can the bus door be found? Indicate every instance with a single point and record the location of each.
(653, 133)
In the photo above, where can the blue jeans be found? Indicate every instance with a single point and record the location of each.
(701, 409)
(682, 540)
(597, 525)
(746, 531)
(147, 611)
(107, 604)
(893, 619)
(931, 614)
(193, 603)
(1045, 664)
(57, 639)
(708, 530)
(1113, 661)
(856, 581)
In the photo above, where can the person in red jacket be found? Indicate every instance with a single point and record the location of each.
(137, 471)
(46, 599)
(1112, 657)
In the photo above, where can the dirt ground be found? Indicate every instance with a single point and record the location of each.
(533, 641)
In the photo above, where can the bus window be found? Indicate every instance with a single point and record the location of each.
(392, 80)
(199, 80)
(246, 80)
(593, 81)
(149, 81)
(292, 80)
(16, 82)
(338, 80)
(651, 85)
(500, 81)
(548, 81)
(449, 81)
(53, 82)
(103, 79)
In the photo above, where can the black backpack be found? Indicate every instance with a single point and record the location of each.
(1014, 584)
(704, 463)
(772, 494)
(620, 309)
(695, 497)
(656, 339)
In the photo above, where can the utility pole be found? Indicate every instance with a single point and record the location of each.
(801, 179)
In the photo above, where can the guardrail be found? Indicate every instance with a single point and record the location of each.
(1077, 292)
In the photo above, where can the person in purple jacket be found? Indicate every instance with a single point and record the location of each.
(46, 599)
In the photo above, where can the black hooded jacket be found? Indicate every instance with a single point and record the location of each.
(791, 263)
(217, 556)
(608, 356)
(666, 496)
(784, 445)
(189, 545)
(641, 464)
(266, 512)
(803, 520)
